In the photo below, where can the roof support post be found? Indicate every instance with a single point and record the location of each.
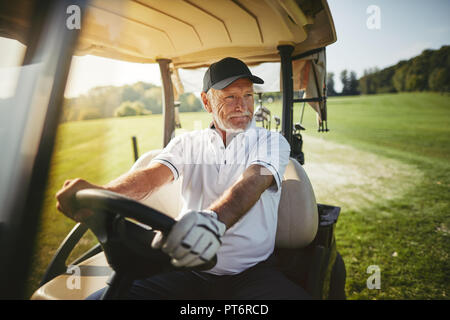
(32, 117)
(168, 100)
(285, 52)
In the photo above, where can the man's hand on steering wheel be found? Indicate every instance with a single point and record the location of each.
(193, 240)
(66, 199)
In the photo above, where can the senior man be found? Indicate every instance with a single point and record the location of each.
(231, 188)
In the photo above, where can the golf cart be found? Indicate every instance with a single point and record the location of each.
(176, 35)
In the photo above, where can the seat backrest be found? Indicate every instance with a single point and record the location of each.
(298, 217)
(297, 211)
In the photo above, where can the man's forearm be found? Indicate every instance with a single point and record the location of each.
(139, 183)
(242, 196)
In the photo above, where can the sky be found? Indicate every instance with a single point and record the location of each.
(406, 28)
(397, 30)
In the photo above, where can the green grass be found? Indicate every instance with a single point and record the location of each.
(385, 162)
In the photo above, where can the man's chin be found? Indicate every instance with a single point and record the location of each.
(239, 128)
(240, 123)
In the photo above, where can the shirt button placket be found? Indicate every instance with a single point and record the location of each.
(222, 166)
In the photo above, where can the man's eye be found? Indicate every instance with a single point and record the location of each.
(229, 97)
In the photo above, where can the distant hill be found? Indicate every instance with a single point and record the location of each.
(429, 71)
(140, 98)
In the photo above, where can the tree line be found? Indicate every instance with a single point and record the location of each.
(429, 71)
(140, 98)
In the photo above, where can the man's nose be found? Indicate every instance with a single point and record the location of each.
(240, 104)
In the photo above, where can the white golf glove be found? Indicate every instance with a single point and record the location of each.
(193, 240)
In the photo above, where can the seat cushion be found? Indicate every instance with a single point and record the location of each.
(90, 276)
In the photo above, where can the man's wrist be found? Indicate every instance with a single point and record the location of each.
(215, 215)
(211, 212)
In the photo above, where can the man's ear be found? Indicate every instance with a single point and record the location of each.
(206, 102)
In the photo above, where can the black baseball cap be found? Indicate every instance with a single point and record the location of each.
(222, 73)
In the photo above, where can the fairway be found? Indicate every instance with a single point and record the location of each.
(385, 162)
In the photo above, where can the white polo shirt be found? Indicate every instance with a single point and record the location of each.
(208, 168)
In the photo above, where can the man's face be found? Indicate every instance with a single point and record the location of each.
(232, 107)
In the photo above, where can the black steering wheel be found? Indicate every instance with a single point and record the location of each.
(125, 229)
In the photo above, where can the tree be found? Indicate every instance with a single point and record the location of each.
(353, 84)
(414, 82)
(129, 108)
(439, 80)
(130, 93)
(365, 82)
(345, 82)
(399, 77)
(417, 76)
(440, 58)
(152, 100)
(89, 114)
(383, 80)
(330, 85)
(427, 71)
(349, 83)
(190, 103)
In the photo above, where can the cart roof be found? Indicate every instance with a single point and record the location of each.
(195, 33)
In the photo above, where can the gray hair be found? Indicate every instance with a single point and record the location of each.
(212, 95)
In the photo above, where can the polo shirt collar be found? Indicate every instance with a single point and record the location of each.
(252, 124)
